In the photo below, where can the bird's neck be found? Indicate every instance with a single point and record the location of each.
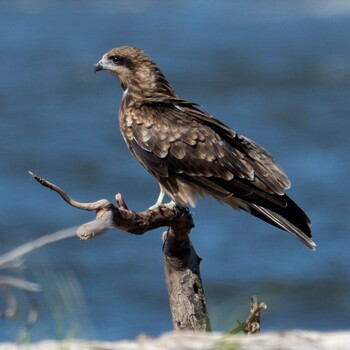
(148, 82)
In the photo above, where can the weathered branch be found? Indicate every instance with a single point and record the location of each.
(111, 216)
(181, 263)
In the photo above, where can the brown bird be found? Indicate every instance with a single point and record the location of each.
(192, 154)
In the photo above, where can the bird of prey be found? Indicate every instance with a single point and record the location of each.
(193, 154)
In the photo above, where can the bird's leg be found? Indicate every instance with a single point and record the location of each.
(160, 202)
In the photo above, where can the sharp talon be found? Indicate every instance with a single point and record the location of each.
(154, 206)
(171, 205)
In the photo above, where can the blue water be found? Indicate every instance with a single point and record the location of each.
(277, 72)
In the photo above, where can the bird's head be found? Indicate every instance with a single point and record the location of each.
(134, 68)
(121, 62)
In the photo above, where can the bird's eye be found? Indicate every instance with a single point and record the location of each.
(116, 59)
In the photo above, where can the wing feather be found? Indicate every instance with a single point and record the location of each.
(193, 154)
(190, 142)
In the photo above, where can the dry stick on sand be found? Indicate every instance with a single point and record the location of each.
(181, 263)
(252, 324)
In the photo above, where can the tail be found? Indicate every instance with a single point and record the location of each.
(290, 218)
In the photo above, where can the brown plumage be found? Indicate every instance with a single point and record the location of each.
(191, 153)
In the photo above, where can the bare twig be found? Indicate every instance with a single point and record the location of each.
(19, 283)
(11, 259)
(12, 306)
(253, 320)
(85, 206)
(11, 309)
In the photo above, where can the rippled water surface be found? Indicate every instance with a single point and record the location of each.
(278, 72)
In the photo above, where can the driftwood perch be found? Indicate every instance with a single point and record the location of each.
(181, 263)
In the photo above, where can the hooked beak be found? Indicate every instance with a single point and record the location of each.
(97, 67)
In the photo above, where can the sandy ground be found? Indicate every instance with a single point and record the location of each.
(292, 340)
